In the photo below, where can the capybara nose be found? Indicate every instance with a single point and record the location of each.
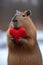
(15, 20)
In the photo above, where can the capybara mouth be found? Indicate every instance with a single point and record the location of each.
(15, 24)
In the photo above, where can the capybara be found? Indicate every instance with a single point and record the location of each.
(27, 51)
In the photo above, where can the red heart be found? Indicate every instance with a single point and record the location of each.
(17, 33)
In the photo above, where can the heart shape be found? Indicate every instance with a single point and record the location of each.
(17, 33)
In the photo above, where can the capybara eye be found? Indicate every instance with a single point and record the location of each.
(23, 15)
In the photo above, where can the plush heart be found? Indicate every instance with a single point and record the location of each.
(17, 33)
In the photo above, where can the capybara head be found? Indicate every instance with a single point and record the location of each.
(20, 18)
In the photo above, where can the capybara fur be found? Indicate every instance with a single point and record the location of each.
(27, 52)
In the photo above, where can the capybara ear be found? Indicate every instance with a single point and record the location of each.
(17, 12)
(28, 12)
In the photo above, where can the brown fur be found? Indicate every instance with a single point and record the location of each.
(27, 54)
